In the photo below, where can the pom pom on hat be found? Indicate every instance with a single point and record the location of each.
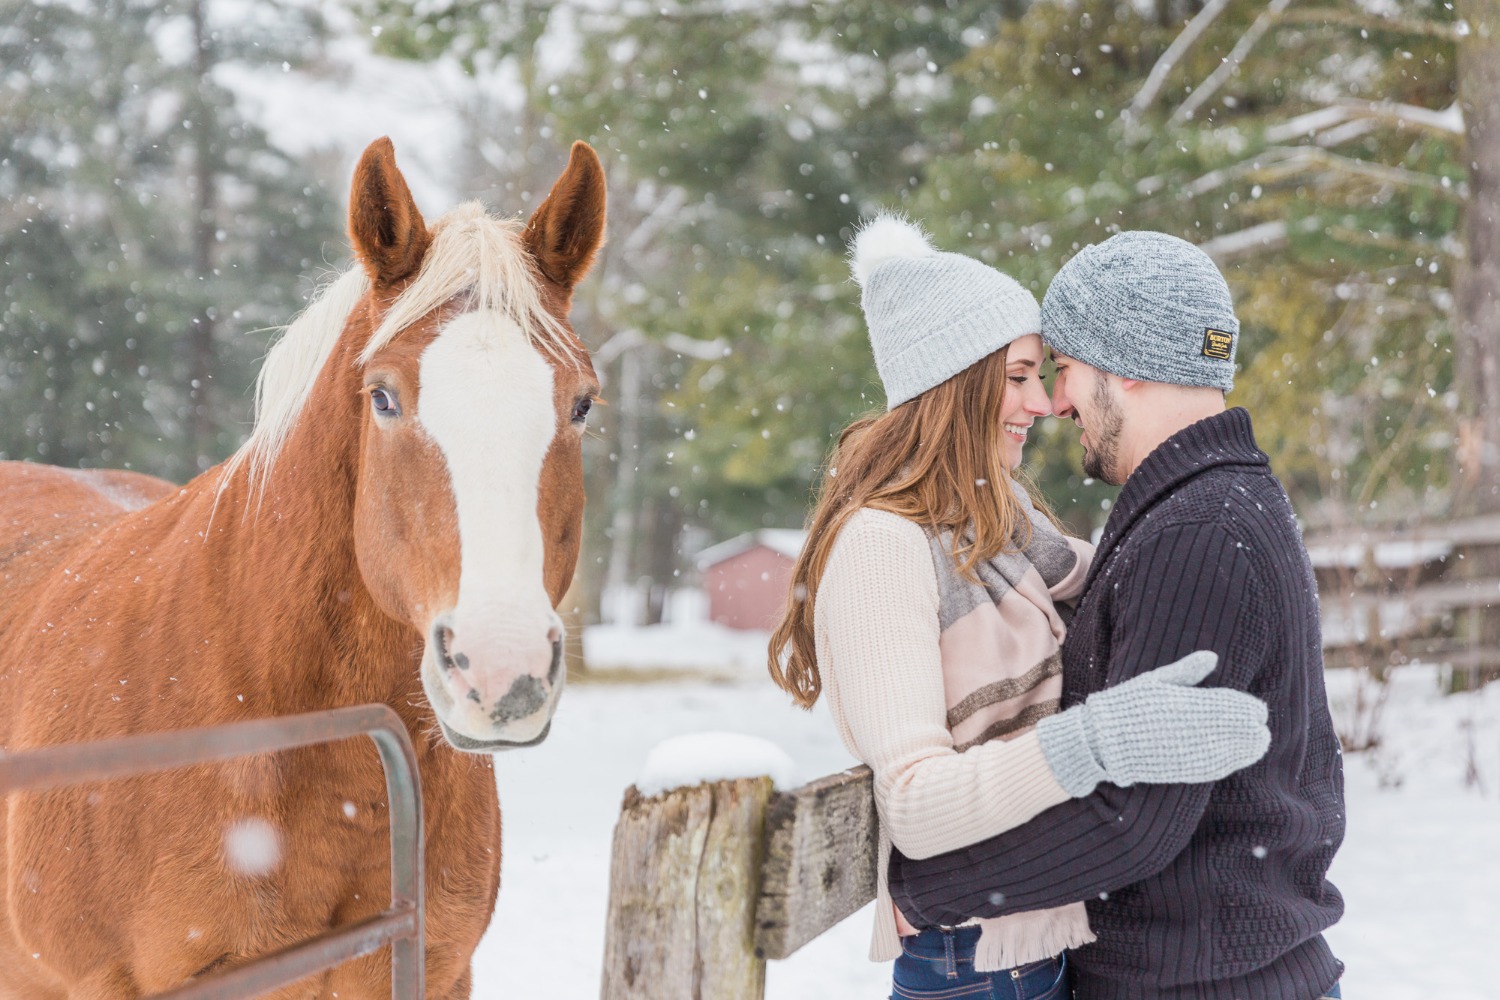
(931, 313)
(886, 237)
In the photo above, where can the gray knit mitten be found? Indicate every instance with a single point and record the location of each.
(1158, 728)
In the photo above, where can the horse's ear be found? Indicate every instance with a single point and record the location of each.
(388, 232)
(568, 229)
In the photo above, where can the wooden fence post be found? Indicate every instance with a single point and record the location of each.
(684, 875)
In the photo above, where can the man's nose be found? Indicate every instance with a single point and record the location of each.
(1060, 405)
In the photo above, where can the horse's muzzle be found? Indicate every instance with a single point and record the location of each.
(492, 694)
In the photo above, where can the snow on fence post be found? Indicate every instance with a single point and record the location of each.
(709, 881)
(682, 884)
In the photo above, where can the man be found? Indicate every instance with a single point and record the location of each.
(1196, 892)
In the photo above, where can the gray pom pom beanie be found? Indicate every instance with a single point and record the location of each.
(931, 314)
(1145, 306)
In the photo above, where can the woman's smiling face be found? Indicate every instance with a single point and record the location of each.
(1025, 396)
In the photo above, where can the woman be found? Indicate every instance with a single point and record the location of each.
(924, 603)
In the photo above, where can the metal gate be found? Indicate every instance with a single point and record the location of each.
(400, 925)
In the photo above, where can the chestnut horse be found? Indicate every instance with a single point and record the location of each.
(398, 528)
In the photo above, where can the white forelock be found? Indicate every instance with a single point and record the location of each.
(473, 254)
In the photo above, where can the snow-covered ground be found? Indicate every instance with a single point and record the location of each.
(698, 647)
(1420, 869)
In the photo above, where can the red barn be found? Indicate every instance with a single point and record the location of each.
(746, 578)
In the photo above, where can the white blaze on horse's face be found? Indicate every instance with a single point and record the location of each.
(492, 668)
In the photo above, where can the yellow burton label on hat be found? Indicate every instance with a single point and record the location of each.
(1217, 344)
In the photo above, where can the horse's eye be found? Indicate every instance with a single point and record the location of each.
(384, 402)
(581, 409)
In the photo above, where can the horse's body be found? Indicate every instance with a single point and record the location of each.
(322, 571)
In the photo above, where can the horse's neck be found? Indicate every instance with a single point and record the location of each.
(289, 567)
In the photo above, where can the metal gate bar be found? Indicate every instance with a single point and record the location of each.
(401, 924)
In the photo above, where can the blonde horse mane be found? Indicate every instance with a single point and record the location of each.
(473, 255)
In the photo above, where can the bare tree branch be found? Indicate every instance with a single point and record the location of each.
(1346, 132)
(1330, 17)
(1281, 162)
(1298, 159)
(1308, 125)
(1170, 58)
(1266, 236)
(1231, 63)
(631, 338)
(1449, 121)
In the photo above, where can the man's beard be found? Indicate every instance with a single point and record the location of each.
(1101, 458)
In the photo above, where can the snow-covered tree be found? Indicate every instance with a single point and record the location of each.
(149, 235)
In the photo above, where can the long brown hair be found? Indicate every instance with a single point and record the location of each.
(936, 460)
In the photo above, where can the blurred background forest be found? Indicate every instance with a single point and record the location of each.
(160, 217)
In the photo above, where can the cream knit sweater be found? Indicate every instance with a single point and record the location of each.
(877, 633)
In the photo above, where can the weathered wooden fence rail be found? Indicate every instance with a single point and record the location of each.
(708, 882)
(1427, 591)
(400, 926)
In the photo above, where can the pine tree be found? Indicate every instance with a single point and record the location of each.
(151, 235)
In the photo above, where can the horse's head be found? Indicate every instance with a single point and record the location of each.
(469, 501)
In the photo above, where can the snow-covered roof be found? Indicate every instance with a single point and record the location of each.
(786, 541)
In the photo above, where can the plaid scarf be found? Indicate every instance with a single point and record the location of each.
(1002, 671)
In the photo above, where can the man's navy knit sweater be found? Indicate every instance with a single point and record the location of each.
(1196, 892)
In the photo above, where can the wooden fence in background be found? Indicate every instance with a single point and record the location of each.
(1428, 592)
(708, 882)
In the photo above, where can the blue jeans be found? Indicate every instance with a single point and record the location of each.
(939, 965)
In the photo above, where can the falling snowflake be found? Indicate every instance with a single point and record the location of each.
(252, 847)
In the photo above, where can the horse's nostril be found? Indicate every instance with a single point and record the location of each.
(525, 696)
(557, 659)
(443, 636)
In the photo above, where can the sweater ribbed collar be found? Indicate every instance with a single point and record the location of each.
(1222, 439)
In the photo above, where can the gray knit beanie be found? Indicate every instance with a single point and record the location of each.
(931, 314)
(1144, 306)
